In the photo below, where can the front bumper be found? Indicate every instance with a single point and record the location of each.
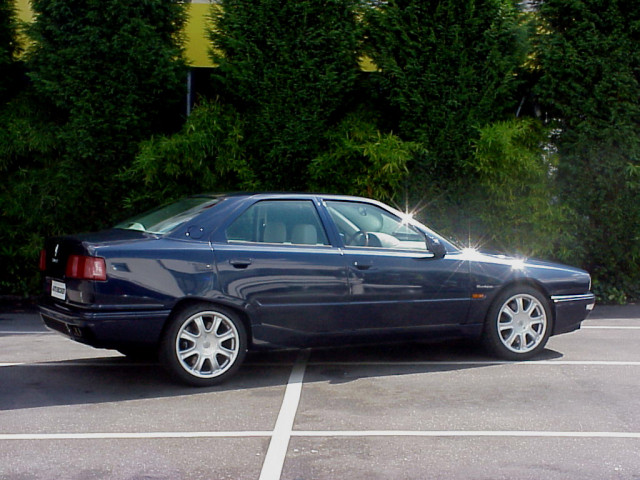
(571, 310)
(105, 329)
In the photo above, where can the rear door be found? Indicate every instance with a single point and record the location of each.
(277, 259)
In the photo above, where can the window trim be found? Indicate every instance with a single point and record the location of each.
(327, 205)
(320, 224)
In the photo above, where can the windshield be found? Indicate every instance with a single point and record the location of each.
(164, 219)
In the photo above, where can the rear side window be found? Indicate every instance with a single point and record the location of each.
(164, 219)
(287, 222)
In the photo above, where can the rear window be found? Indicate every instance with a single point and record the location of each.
(166, 218)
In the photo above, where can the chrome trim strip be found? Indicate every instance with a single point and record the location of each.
(573, 298)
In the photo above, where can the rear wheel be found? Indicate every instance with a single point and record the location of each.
(204, 345)
(518, 324)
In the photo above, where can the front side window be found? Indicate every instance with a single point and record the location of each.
(365, 225)
(287, 222)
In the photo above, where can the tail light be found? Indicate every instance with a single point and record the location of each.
(43, 259)
(86, 268)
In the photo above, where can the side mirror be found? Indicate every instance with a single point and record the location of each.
(434, 245)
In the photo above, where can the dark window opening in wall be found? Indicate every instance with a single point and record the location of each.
(199, 85)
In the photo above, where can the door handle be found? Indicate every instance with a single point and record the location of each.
(362, 266)
(240, 263)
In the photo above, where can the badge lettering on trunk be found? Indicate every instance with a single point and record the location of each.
(55, 253)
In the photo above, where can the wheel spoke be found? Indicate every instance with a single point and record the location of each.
(505, 326)
(226, 352)
(228, 335)
(200, 363)
(537, 320)
(188, 336)
(510, 339)
(523, 341)
(217, 321)
(215, 365)
(535, 336)
(184, 354)
(520, 304)
(507, 310)
(199, 322)
(532, 306)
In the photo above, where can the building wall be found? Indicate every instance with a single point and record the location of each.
(197, 42)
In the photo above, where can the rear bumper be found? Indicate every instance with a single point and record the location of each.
(571, 310)
(105, 329)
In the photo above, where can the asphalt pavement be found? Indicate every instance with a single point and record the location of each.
(410, 411)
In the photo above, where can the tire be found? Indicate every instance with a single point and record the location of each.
(204, 345)
(518, 324)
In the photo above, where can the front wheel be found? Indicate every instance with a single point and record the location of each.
(204, 345)
(518, 324)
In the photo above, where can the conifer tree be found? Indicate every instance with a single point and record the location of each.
(589, 54)
(448, 67)
(104, 75)
(9, 48)
(290, 68)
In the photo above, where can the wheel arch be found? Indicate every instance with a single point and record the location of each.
(523, 282)
(186, 302)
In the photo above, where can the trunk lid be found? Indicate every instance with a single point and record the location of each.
(57, 252)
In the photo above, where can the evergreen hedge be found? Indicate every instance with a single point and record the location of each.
(102, 76)
(512, 129)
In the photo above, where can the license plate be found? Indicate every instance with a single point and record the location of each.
(58, 290)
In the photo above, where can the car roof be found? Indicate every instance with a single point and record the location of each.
(275, 194)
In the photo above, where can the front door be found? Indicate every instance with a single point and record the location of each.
(395, 282)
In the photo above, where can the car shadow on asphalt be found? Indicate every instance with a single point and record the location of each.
(118, 378)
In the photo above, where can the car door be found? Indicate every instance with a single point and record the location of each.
(395, 282)
(276, 259)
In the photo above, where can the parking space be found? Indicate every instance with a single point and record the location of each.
(413, 411)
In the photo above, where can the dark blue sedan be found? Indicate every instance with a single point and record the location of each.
(202, 280)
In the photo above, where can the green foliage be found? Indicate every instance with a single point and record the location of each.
(29, 191)
(9, 50)
(453, 76)
(441, 121)
(289, 68)
(360, 160)
(590, 60)
(207, 155)
(448, 67)
(281, 121)
(104, 76)
(515, 198)
(111, 71)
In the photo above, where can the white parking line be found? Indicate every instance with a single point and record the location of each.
(595, 320)
(464, 433)
(129, 435)
(118, 361)
(481, 363)
(26, 332)
(277, 452)
(273, 466)
(610, 327)
(82, 363)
